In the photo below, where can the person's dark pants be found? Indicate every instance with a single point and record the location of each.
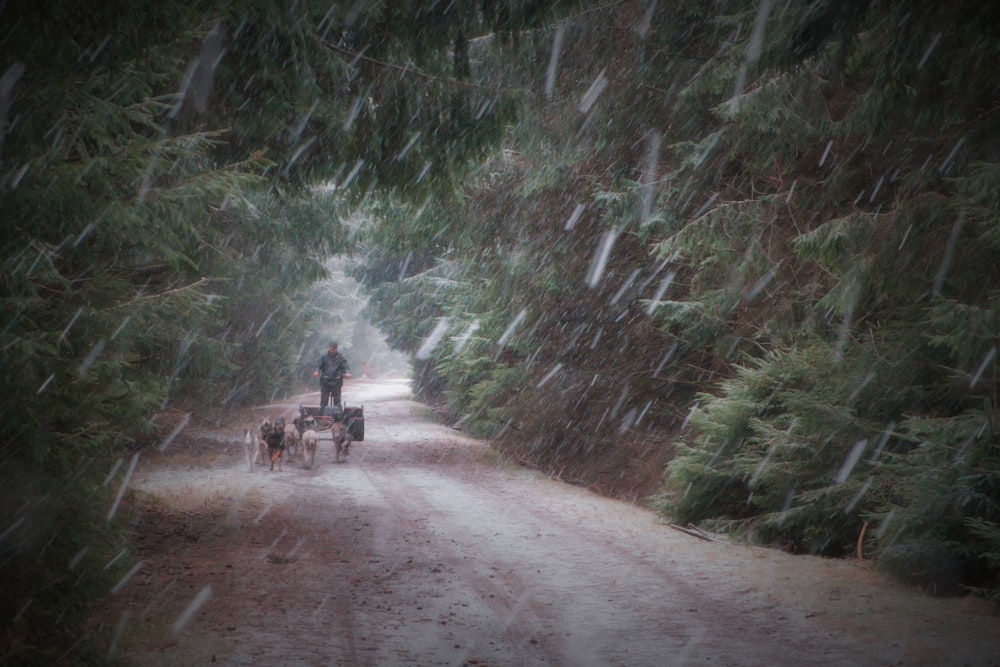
(326, 392)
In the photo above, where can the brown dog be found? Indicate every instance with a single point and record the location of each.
(275, 439)
(292, 440)
(341, 439)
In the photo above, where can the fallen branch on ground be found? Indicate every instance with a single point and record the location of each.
(692, 533)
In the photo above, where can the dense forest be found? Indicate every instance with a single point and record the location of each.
(735, 259)
(756, 242)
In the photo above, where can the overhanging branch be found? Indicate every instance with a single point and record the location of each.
(406, 69)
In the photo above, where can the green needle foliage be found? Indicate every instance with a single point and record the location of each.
(769, 229)
(172, 181)
(873, 217)
(765, 232)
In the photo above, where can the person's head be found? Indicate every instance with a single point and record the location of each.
(333, 347)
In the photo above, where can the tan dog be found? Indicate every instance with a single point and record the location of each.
(292, 440)
(310, 441)
(341, 439)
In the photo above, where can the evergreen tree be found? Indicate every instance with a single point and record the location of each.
(880, 313)
(775, 218)
(160, 227)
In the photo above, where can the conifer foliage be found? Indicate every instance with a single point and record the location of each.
(870, 424)
(135, 267)
(160, 173)
(769, 228)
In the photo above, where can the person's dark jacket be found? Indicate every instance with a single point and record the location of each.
(332, 369)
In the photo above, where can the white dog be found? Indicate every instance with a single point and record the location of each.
(251, 447)
(254, 446)
(310, 441)
(341, 439)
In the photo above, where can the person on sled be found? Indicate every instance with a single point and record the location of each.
(331, 371)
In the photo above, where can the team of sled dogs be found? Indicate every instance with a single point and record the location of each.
(273, 439)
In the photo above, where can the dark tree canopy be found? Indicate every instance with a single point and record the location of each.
(173, 178)
(753, 240)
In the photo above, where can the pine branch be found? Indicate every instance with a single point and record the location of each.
(170, 292)
(406, 69)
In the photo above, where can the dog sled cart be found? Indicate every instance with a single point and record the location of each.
(322, 419)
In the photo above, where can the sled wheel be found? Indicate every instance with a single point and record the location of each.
(354, 418)
(356, 427)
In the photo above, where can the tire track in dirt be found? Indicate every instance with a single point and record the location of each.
(487, 614)
(514, 556)
(581, 602)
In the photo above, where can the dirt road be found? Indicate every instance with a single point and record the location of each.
(425, 549)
